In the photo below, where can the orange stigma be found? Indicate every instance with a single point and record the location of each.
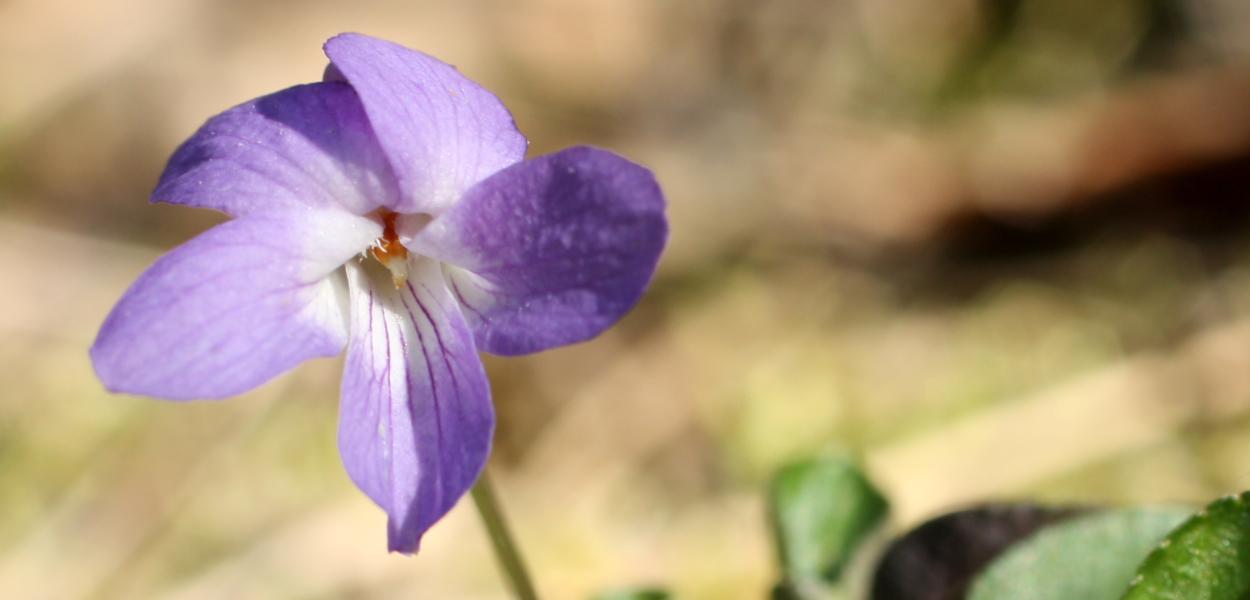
(389, 251)
(388, 246)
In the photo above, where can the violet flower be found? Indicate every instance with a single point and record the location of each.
(388, 210)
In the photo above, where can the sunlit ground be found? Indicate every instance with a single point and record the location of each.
(998, 257)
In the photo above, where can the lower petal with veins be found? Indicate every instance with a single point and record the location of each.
(416, 419)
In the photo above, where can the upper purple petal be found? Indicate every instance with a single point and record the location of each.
(233, 307)
(442, 132)
(551, 251)
(415, 420)
(305, 146)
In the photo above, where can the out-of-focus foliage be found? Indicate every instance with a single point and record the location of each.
(1093, 557)
(940, 559)
(640, 594)
(997, 249)
(821, 512)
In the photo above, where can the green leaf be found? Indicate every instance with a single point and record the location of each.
(1091, 557)
(940, 558)
(635, 594)
(1206, 558)
(821, 511)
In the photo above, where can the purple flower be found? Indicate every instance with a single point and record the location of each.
(388, 210)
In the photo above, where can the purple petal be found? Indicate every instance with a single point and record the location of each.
(416, 420)
(551, 251)
(442, 132)
(233, 307)
(309, 145)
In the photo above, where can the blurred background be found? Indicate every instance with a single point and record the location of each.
(996, 248)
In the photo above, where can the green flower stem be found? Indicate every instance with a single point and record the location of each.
(505, 549)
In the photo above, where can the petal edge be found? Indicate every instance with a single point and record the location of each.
(442, 132)
(233, 307)
(550, 251)
(308, 146)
